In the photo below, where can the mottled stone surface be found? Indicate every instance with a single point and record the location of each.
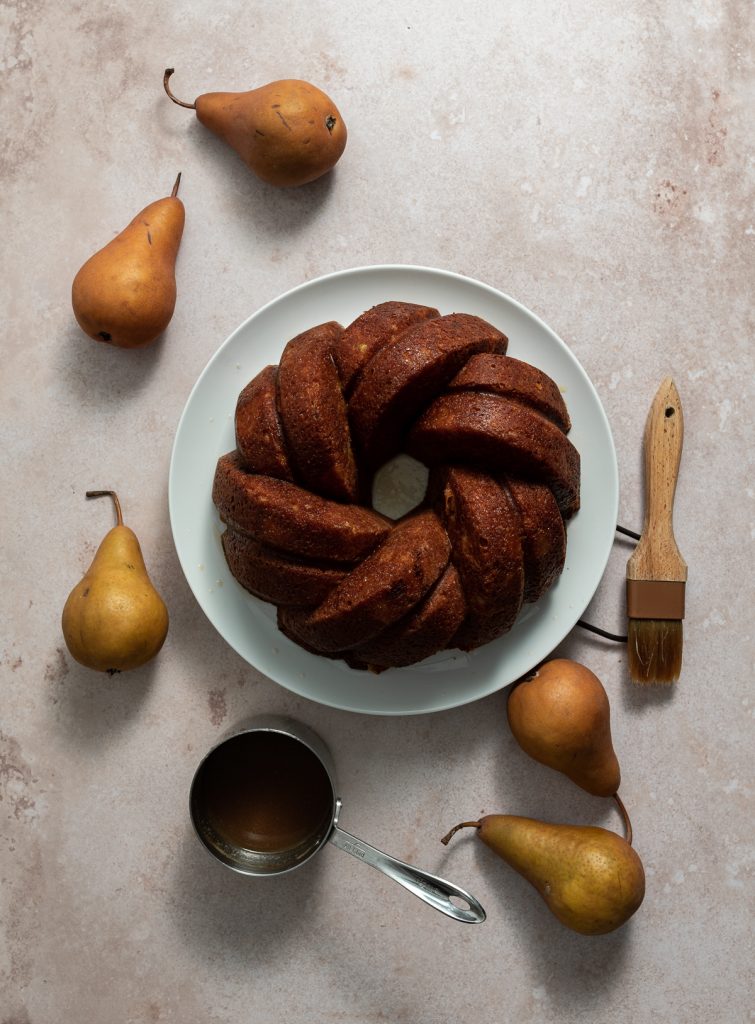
(593, 166)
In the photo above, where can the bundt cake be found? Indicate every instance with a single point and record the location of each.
(295, 495)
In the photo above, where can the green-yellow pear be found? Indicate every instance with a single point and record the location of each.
(561, 717)
(288, 132)
(126, 293)
(114, 619)
(590, 878)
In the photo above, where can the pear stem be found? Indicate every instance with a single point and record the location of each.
(174, 193)
(166, 76)
(114, 496)
(625, 818)
(455, 829)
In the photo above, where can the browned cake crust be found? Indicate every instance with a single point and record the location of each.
(387, 585)
(276, 577)
(371, 331)
(333, 655)
(349, 583)
(402, 378)
(426, 630)
(543, 536)
(504, 437)
(291, 519)
(259, 435)
(485, 530)
(511, 378)
(313, 413)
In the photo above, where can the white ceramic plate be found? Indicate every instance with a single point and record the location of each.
(206, 431)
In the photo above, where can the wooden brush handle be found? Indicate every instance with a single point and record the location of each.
(657, 557)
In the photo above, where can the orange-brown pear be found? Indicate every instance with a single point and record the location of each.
(590, 878)
(288, 132)
(560, 716)
(126, 293)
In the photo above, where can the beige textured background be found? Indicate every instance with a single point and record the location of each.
(588, 159)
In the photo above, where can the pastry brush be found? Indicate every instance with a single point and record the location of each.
(656, 571)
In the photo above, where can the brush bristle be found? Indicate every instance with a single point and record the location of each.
(654, 649)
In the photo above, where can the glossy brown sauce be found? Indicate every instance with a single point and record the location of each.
(264, 791)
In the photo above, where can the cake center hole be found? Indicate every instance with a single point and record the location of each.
(399, 486)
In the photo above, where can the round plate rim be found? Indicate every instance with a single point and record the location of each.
(601, 562)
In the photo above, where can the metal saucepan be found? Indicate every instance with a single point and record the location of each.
(223, 771)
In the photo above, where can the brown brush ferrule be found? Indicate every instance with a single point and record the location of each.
(655, 599)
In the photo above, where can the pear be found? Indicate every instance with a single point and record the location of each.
(590, 878)
(560, 716)
(126, 293)
(114, 619)
(288, 132)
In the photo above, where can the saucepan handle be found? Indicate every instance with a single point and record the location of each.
(433, 890)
